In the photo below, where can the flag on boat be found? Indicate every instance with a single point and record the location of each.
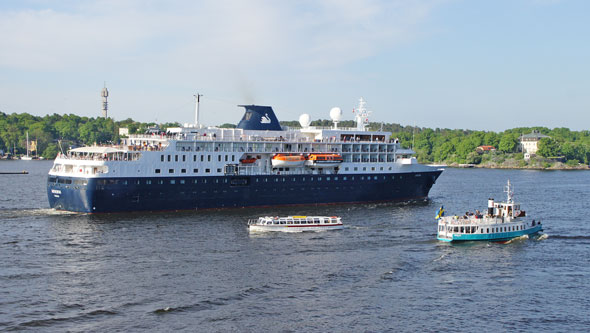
(441, 212)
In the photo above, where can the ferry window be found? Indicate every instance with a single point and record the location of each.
(218, 158)
(389, 168)
(124, 182)
(194, 158)
(202, 158)
(168, 158)
(170, 170)
(352, 177)
(346, 169)
(195, 170)
(356, 169)
(233, 158)
(372, 168)
(303, 179)
(487, 230)
(218, 169)
(283, 178)
(172, 181)
(381, 168)
(184, 158)
(226, 157)
(293, 179)
(157, 170)
(208, 158)
(161, 158)
(182, 170)
(204, 181)
(175, 158)
(207, 170)
(364, 168)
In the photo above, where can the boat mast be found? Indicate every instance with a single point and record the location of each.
(198, 99)
(27, 143)
(509, 192)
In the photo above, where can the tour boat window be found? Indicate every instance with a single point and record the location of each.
(157, 170)
(487, 230)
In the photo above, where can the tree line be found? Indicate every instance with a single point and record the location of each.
(59, 132)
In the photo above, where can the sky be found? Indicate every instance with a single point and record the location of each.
(460, 64)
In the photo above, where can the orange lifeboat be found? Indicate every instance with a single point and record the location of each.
(249, 160)
(289, 161)
(324, 159)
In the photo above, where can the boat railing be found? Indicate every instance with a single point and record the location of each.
(470, 220)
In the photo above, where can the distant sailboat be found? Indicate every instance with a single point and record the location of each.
(28, 157)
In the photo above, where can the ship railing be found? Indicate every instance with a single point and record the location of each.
(465, 220)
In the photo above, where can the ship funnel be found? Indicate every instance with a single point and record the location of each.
(260, 118)
(491, 206)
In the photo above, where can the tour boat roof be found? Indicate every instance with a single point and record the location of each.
(99, 150)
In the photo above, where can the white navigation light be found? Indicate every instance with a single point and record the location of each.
(304, 120)
(336, 115)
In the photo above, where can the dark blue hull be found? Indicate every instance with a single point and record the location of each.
(157, 194)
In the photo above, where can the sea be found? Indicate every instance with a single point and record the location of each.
(202, 271)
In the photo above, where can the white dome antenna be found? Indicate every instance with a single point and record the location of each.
(304, 120)
(336, 115)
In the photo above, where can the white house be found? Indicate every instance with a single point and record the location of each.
(529, 143)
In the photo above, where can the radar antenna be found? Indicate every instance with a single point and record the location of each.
(361, 116)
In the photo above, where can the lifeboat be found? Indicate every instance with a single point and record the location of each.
(248, 160)
(314, 159)
(289, 161)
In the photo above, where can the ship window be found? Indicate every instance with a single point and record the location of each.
(157, 170)
(207, 170)
(381, 168)
(184, 158)
(204, 181)
(276, 180)
(364, 168)
(218, 169)
(218, 158)
(362, 177)
(233, 158)
(319, 178)
(170, 170)
(161, 158)
(345, 178)
(172, 181)
(389, 168)
(283, 179)
(160, 182)
(226, 157)
(293, 179)
(346, 169)
(202, 158)
(194, 158)
(375, 177)
(175, 158)
(208, 158)
(148, 182)
(373, 169)
(216, 180)
(356, 169)
(51, 179)
(168, 158)
(265, 180)
(195, 170)
(124, 182)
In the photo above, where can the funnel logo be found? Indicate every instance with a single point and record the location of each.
(265, 119)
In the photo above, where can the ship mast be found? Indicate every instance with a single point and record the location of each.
(361, 116)
(197, 100)
(509, 192)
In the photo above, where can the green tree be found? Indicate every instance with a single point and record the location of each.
(548, 147)
(508, 143)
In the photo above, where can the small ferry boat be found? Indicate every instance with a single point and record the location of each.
(502, 222)
(295, 223)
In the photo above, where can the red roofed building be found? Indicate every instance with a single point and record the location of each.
(485, 149)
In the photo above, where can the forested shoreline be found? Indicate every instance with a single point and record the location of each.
(440, 145)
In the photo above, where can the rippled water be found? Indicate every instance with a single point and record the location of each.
(202, 271)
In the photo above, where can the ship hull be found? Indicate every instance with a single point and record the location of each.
(92, 195)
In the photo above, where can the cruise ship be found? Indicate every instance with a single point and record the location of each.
(258, 163)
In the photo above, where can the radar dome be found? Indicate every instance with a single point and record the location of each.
(336, 114)
(304, 120)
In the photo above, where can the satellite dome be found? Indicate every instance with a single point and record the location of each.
(336, 114)
(304, 120)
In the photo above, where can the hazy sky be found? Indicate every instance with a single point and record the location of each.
(489, 65)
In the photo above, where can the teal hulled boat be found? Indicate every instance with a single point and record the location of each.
(503, 221)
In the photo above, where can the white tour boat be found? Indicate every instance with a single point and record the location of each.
(295, 223)
(503, 221)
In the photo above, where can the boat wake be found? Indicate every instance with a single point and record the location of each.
(31, 212)
(542, 237)
(517, 239)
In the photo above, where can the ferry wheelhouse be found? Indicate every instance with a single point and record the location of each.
(503, 221)
(258, 163)
(295, 223)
